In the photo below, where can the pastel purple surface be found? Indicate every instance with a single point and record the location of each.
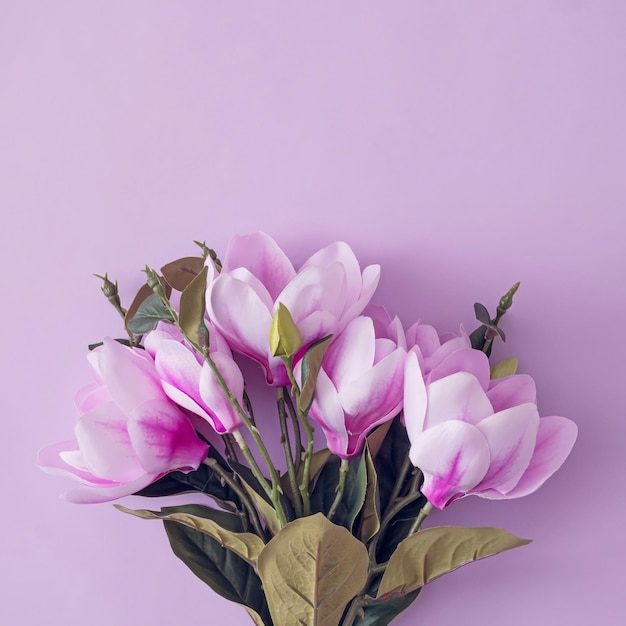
(463, 146)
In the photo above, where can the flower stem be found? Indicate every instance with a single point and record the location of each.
(423, 514)
(291, 470)
(296, 431)
(228, 479)
(341, 487)
(308, 454)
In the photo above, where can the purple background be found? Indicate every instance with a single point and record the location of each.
(464, 146)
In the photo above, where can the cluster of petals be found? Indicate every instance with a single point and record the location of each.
(129, 433)
(470, 435)
(323, 296)
(359, 387)
(188, 379)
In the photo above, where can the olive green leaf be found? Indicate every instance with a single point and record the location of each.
(285, 337)
(192, 306)
(311, 364)
(370, 518)
(508, 367)
(430, 553)
(181, 272)
(245, 545)
(311, 570)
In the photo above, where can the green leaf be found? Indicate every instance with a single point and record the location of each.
(220, 568)
(192, 307)
(376, 438)
(311, 364)
(150, 312)
(181, 272)
(311, 570)
(285, 338)
(382, 613)
(370, 516)
(508, 367)
(246, 545)
(324, 492)
(433, 552)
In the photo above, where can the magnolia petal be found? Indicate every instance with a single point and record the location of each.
(457, 397)
(247, 277)
(52, 460)
(339, 252)
(105, 444)
(317, 325)
(241, 316)
(424, 336)
(352, 353)
(327, 412)
(446, 349)
(555, 440)
(415, 397)
(454, 457)
(511, 391)
(130, 377)
(224, 416)
(178, 368)
(511, 435)
(465, 360)
(163, 438)
(263, 257)
(316, 289)
(376, 395)
(90, 396)
(109, 491)
(369, 282)
(163, 331)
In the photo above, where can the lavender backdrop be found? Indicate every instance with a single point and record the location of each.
(464, 146)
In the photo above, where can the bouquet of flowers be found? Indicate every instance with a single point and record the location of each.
(328, 536)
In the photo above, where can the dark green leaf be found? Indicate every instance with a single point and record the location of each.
(143, 294)
(477, 338)
(324, 492)
(389, 460)
(226, 573)
(482, 314)
(150, 312)
(383, 613)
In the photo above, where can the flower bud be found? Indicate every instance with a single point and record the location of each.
(285, 338)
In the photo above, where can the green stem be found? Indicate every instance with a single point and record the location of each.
(296, 431)
(245, 500)
(291, 470)
(341, 487)
(308, 454)
(423, 514)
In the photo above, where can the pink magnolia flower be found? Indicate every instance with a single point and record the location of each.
(129, 434)
(189, 381)
(441, 356)
(358, 388)
(326, 293)
(467, 440)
